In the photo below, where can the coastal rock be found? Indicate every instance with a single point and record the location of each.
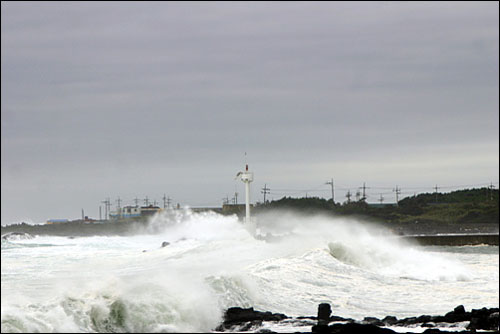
(484, 319)
(165, 244)
(373, 321)
(238, 319)
(432, 331)
(481, 319)
(390, 320)
(460, 309)
(324, 311)
(458, 314)
(244, 317)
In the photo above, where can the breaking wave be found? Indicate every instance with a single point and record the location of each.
(132, 284)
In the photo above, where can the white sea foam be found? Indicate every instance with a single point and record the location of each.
(132, 284)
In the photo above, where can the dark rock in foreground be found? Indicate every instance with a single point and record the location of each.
(239, 319)
(246, 318)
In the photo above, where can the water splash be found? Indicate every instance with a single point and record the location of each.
(109, 284)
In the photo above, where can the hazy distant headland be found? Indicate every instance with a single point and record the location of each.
(458, 211)
(462, 211)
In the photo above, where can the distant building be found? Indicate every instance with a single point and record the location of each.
(149, 210)
(134, 212)
(126, 212)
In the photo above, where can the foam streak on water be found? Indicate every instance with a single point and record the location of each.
(131, 284)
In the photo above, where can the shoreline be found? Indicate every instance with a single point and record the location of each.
(422, 234)
(238, 319)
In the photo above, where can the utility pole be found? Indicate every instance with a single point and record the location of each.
(136, 200)
(265, 191)
(107, 205)
(381, 199)
(364, 187)
(83, 215)
(105, 209)
(348, 195)
(436, 192)
(118, 207)
(146, 201)
(491, 187)
(236, 198)
(397, 191)
(331, 183)
(100, 217)
(166, 202)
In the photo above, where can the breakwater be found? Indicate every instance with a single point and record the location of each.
(455, 239)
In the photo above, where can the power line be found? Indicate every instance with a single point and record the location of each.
(398, 191)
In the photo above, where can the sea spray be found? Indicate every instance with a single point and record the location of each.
(132, 284)
(365, 245)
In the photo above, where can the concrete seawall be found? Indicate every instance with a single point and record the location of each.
(454, 239)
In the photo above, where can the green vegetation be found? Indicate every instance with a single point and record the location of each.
(462, 206)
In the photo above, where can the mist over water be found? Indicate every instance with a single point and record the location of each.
(132, 284)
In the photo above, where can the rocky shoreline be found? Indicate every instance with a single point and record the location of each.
(238, 319)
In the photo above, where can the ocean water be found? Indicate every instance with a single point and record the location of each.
(132, 284)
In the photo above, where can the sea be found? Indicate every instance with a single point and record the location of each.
(213, 262)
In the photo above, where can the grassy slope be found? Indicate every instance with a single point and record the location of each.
(463, 206)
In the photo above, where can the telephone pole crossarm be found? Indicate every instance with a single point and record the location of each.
(265, 191)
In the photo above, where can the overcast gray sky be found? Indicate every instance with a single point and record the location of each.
(131, 99)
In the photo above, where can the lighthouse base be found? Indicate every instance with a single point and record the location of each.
(250, 225)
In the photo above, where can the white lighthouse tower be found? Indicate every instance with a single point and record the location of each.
(246, 177)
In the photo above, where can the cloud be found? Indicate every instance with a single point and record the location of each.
(114, 91)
